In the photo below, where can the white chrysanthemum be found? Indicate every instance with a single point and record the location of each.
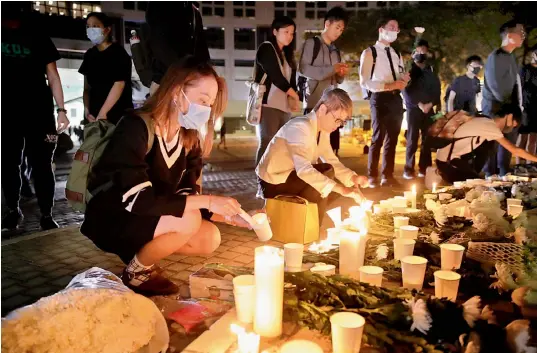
(472, 195)
(431, 205)
(441, 215)
(421, 319)
(434, 237)
(382, 252)
(521, 221)
(471, 310)
(504, 278)
(481, 222)
(500, 196)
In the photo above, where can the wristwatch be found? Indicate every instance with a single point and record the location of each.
(60, 110)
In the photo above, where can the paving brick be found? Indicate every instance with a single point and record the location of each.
(251, 244)
(193, 260)
(229, 255)
(178, 267)
(52, 267)
(62, 281)
(233, 243)
(244, 259)
(15, 302)
(42, 291)
(7, 282)
(25, 276)
(59, 273)
(223, 248)
(183, 275)
(165, 263)
(35, 282)
(244, 239)
(11, 291)
(176, 257)
(226, 237)
(195, 267)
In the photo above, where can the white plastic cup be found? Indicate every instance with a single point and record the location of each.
(347, 330)
(413, 268)
(451, 256)
(293, 253)
(515, 202)
(397, 209)
(400, 201)
(325, 270)
(514, 210)
(446, 284)
(262, 226)
(244, 294)
(371, 275)
(301, 346)
(332, 234)
(399, 221)
(403, 247)
(458, 184)
(378, 209)
(409, 232)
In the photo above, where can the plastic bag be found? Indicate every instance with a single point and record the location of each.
(193, 314)
(96, 313)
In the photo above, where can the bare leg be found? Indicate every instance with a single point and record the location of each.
(532, 143)
(521, 143)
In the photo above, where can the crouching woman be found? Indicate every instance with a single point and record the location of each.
(151, 207)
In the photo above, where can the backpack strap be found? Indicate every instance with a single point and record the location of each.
(374, 54)
(150, 124)
(316, 48)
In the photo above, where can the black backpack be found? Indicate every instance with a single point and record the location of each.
(302, 80)
(366, 94)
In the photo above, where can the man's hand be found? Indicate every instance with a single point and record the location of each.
(341, 69)
(89, 116)
(360, 181)
(102, 117)
(397, 85)
(405, 77)
(63, 122)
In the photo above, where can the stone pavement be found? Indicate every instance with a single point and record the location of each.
(40, 264)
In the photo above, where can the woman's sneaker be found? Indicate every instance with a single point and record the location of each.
(149, 282)
(12, 220)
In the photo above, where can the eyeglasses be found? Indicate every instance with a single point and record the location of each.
(392, 29)
(340, 122)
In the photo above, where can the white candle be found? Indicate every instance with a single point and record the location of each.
(301, 346)
(268, 273)
(352, 253)
(434, 188)
(414, 196)
(246, 342)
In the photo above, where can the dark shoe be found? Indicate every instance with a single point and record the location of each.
(12, 220)
(408, 175)
(149, 282)
(47, 223)
(389, 182)
(373, 182)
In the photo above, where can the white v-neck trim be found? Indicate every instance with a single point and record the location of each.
(165, 147)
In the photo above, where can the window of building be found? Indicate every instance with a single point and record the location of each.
(218, 62)
(67, 8)
(245, 38)
(73, 113)
(362, 4)
(350, 5)
(316, 9)
(381, 3)
(243, 70)
(212, 8)
(394, 3)
(129, 5)
(244, 9)
(285, 9)
(141, 5)
(310, 14)
(215, 37)
(244, 63)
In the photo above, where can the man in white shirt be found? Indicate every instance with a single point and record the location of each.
(382, 75)
(290, 163)
(465, 157)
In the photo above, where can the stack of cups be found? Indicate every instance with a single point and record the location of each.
(451, 256)
(515, 202)
(408, 232)
(446, 284)
(371, 275)
(413, 268)
(399, 221)
(293, 253)
(347, 330)
(403, 247)
(325, 270)
(514, 210)
(244, 293)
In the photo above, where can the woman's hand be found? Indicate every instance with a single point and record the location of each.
(102, 117)
(225, 206)
(360, 181)
(63, 122)
(88, 116)
(238, 221)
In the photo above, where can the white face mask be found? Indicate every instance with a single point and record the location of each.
(196, 116)
(388, 36)
(95, 35)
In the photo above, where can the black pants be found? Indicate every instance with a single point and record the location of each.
(387, 116)
(499, 159)
(294, 186)
(417, 122)
(38, 144)
(467, 166)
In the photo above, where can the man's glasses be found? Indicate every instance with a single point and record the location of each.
(340, 122)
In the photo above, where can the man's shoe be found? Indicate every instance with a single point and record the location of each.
(389, 182)
(149, 282)
(408, 175)
(421, 175)
(12, 219)
(47, 223)
(373, 182)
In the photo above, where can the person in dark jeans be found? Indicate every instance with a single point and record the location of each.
(421, 96)
(28, 61)
(384, 80)
(502, 86)
(528, 131)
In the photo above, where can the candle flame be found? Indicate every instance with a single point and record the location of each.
(414, 188)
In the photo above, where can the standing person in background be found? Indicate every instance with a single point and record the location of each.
(463, 91)
(528, 131)
(107, 73)
(175, 31)
(382, 74)
(276, 60)
(320, 63)
(421, 96)
(502, 86)
(223, 134)
(28, 62)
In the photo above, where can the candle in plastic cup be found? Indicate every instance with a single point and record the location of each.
(262, 226)
(301, 346)
(451, 256)
(325, 270)
(399, 221)
(514, 210)
(403, 247)
(446, 284)
(347, 330)
(371, 275)
(458, 184)
(332, 235)
(244, 293)
(409, 232)
(515, 202)
(378, 209)
(293, 253)
(413, 269)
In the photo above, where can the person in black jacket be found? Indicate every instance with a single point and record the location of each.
(151, 207)
(175, 31)
(275, 61)
(421, 95)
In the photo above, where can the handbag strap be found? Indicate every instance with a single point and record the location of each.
(262, 82)
(295, 197)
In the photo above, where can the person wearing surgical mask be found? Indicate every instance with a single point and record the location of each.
(107, 73)
(384, 78)
(463, 91)
(150, 206)
(473, 140)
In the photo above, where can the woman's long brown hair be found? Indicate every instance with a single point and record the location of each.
(160, 105)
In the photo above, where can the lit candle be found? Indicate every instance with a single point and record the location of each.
(414, 196)
(246, 342)
(268, 271)
(352, 252)
(434, 188)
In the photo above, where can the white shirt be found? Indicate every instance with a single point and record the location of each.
(383, 72)
(295, 148)
(483, 128)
